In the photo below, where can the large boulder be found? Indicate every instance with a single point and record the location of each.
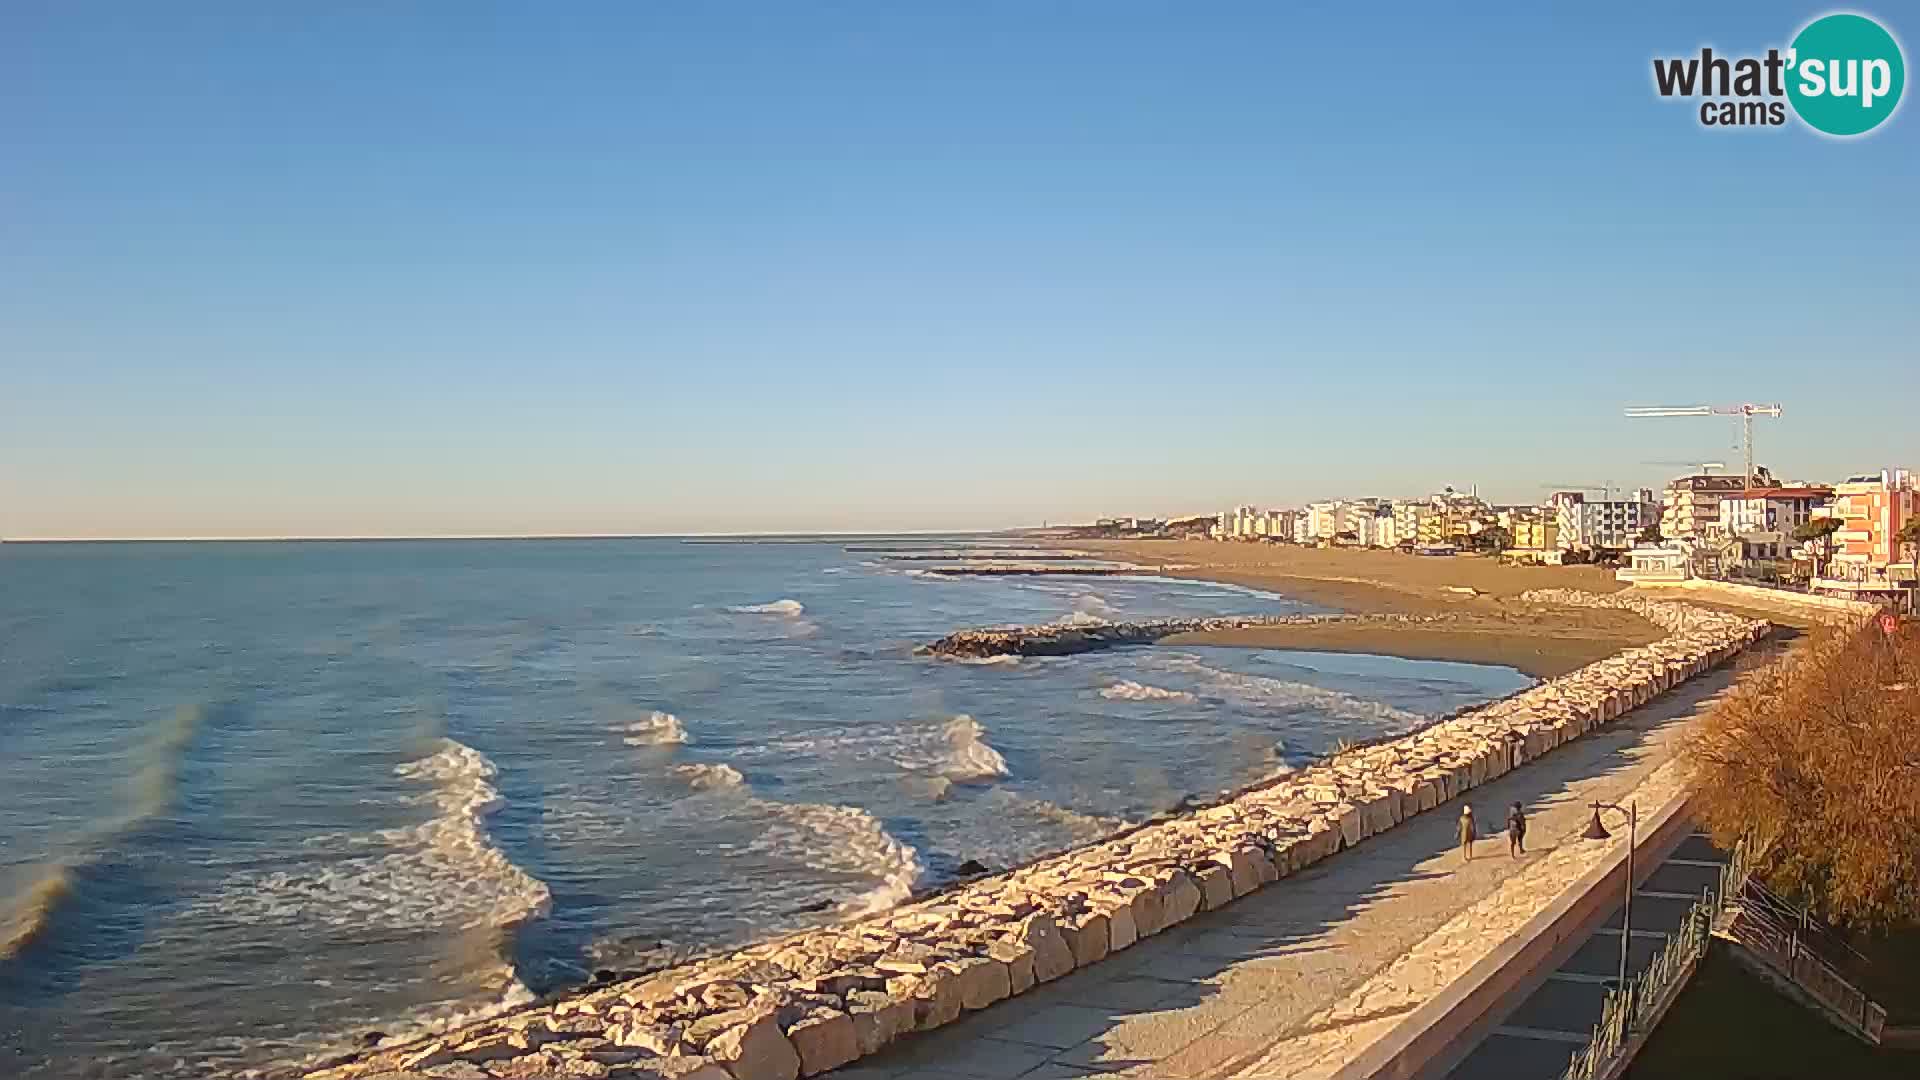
(1052, 956)
(756, 1050)
(824, 1040)
(1089, 936)
(878, 1018)
(1216, 887)
(1181, 897)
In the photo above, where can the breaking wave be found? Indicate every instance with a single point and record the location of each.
(1283, 694)
(960, 754)
(1128, 690)
(35, 908)
(152, 787)
(1079, 618)
(656, 729)
(788, 608)
(844, 840)
(704, 777)
(444, 873)
(1086, 828)
(1004, 659)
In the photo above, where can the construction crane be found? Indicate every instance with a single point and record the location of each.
(1705, 467)
(1605, 489)
(1746, 412)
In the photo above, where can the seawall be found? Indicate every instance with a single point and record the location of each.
(812, 1001)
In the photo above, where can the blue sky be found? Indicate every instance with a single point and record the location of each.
(464, 268)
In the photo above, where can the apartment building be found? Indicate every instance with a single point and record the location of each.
(1773, 509)
(1690, 506)
(1871, 509)
(1583, 523)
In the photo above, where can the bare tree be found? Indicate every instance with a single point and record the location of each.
(1818, 757)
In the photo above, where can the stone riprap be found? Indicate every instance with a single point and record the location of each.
(1061, 639)
(812, 1001)
(1042, 569)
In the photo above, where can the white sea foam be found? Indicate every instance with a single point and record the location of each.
(960, 753)
(1284, 694)
(443, 874)
(843, 840)
(1079, 618)
(1003, 660)
(1128, 690)
(1092, 604)
(707, 777)
(656, 729)
(1085, 827)
(787, 608)
(512, 995)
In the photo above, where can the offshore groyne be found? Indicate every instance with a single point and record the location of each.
(1065, 639)
(812, 1001)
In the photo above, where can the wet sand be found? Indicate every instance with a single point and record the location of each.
(1484, 627)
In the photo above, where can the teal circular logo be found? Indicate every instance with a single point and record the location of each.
(1845, 74)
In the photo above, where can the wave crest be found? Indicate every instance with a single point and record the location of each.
(1284, 694)
(705, 777)
(788, 608)
(656, 729)
(445, 872)
(844, 840)
(961, 754)
(1128, 690)
(1002, 660)
(34, 909)
(152, 786)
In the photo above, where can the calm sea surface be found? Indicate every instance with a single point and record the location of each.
(260, 800)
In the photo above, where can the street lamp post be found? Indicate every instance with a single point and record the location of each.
(1597, 831)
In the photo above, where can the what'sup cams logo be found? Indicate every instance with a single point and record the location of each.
(1842, 76)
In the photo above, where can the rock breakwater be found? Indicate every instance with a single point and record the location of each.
(1063, 639)
(1024, 569)
(809, 1002)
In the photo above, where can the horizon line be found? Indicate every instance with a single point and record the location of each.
(361, 538)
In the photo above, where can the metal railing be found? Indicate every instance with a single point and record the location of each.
(1790, 941)
(1633, 1009)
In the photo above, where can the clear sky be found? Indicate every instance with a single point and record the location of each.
(432, 268)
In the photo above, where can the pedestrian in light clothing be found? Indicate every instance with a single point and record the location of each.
(1466, 832)
(1516, 832)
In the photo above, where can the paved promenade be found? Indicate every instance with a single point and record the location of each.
(1285, 976)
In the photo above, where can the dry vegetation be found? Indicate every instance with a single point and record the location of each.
(1820, 757)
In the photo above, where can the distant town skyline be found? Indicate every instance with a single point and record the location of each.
(759, 269)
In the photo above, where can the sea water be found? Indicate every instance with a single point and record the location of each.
(265, 800)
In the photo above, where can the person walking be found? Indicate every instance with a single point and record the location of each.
(1466, 833)
(1516, 832)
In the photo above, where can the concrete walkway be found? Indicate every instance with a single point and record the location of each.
(1230, 988)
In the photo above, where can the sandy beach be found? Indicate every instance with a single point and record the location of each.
(1484, 627)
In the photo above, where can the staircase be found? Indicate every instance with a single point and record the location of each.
(1799, 953)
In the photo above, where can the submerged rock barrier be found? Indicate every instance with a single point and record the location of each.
(1062, 639)
(812, 1001)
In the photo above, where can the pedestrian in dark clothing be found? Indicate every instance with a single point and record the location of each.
(1516, 832)
(1466, 832)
